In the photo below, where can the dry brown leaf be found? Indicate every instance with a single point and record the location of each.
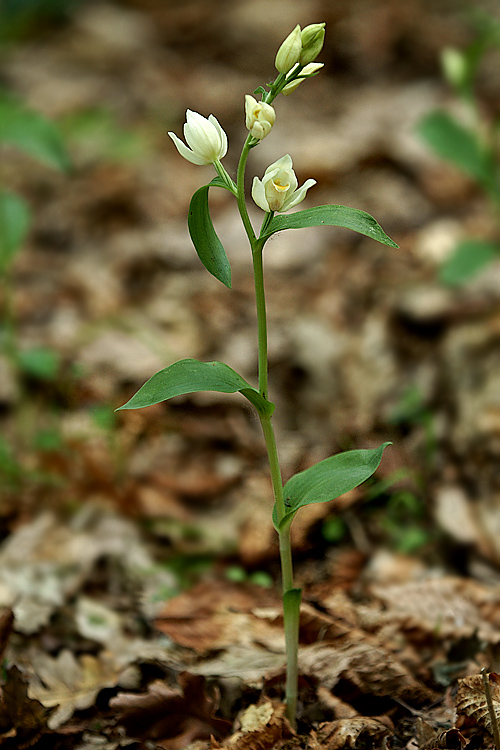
(359, 731)
(446, 606)
(430, 738)
(19, 716)
(261, 726)
(69, 683)
(370, 669)
(219, 614)
(173, 717)
(471, 699)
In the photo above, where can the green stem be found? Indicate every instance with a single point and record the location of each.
(291, 596)
(240, 191)
(260, 301)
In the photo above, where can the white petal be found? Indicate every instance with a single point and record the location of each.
(259, 194)
(202, 136)
(298, 196)
(284, 163)
(186, 152)
(269, 174)
(222, 136)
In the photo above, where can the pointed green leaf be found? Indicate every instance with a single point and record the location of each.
(328, 480)
(14, 224)
(191, 376)
(453, 142)
(208, 246)
(31, 132)
(334, 216)
(468, 258)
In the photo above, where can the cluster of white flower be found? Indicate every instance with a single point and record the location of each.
(207, 142)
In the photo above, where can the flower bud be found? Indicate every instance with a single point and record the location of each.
(206, 141)
(454, 66)
(306, 72)
(259, 117)
(289, 52)
(312, 38)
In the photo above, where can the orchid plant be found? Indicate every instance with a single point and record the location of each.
(275, 193)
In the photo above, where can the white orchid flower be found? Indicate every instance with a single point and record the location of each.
(259, 117)
(277, 191)
(206, 140)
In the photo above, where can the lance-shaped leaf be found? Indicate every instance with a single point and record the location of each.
(328, 480)
(191, 376)
(32, 133)
(207, 244)
(468, 258)
(452, 141)
(334, 216)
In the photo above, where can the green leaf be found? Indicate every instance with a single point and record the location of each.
(208, 246)
(191, 376)
(40, 362)
(468, 258)
(328, 480)
(453, 142)
(14, 224)
(32, 133)
(334, 216)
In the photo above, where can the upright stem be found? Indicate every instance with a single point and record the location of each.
(260, 301)
(291, 596)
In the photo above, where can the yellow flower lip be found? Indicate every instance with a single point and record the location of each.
(281, 188)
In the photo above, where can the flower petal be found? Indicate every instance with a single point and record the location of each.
(298, 195)
(202, 136)
(259, 194)
(186, 152)
(222, 136)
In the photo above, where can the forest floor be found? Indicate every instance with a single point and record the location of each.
(139, 568)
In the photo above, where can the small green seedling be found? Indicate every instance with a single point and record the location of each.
(275, 193)
(470, 144)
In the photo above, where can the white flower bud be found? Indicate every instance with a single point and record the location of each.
(289, 52)
(312, 38)
(259, 117)
(206, 140)
(277, 191)
(306, 72)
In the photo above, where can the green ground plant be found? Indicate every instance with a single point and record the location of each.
(276, 193)
(36, 136)
(470, 143)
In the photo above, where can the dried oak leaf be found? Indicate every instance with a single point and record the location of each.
(357, 732)
(69, 683)
(173, 717)
(471, 699)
